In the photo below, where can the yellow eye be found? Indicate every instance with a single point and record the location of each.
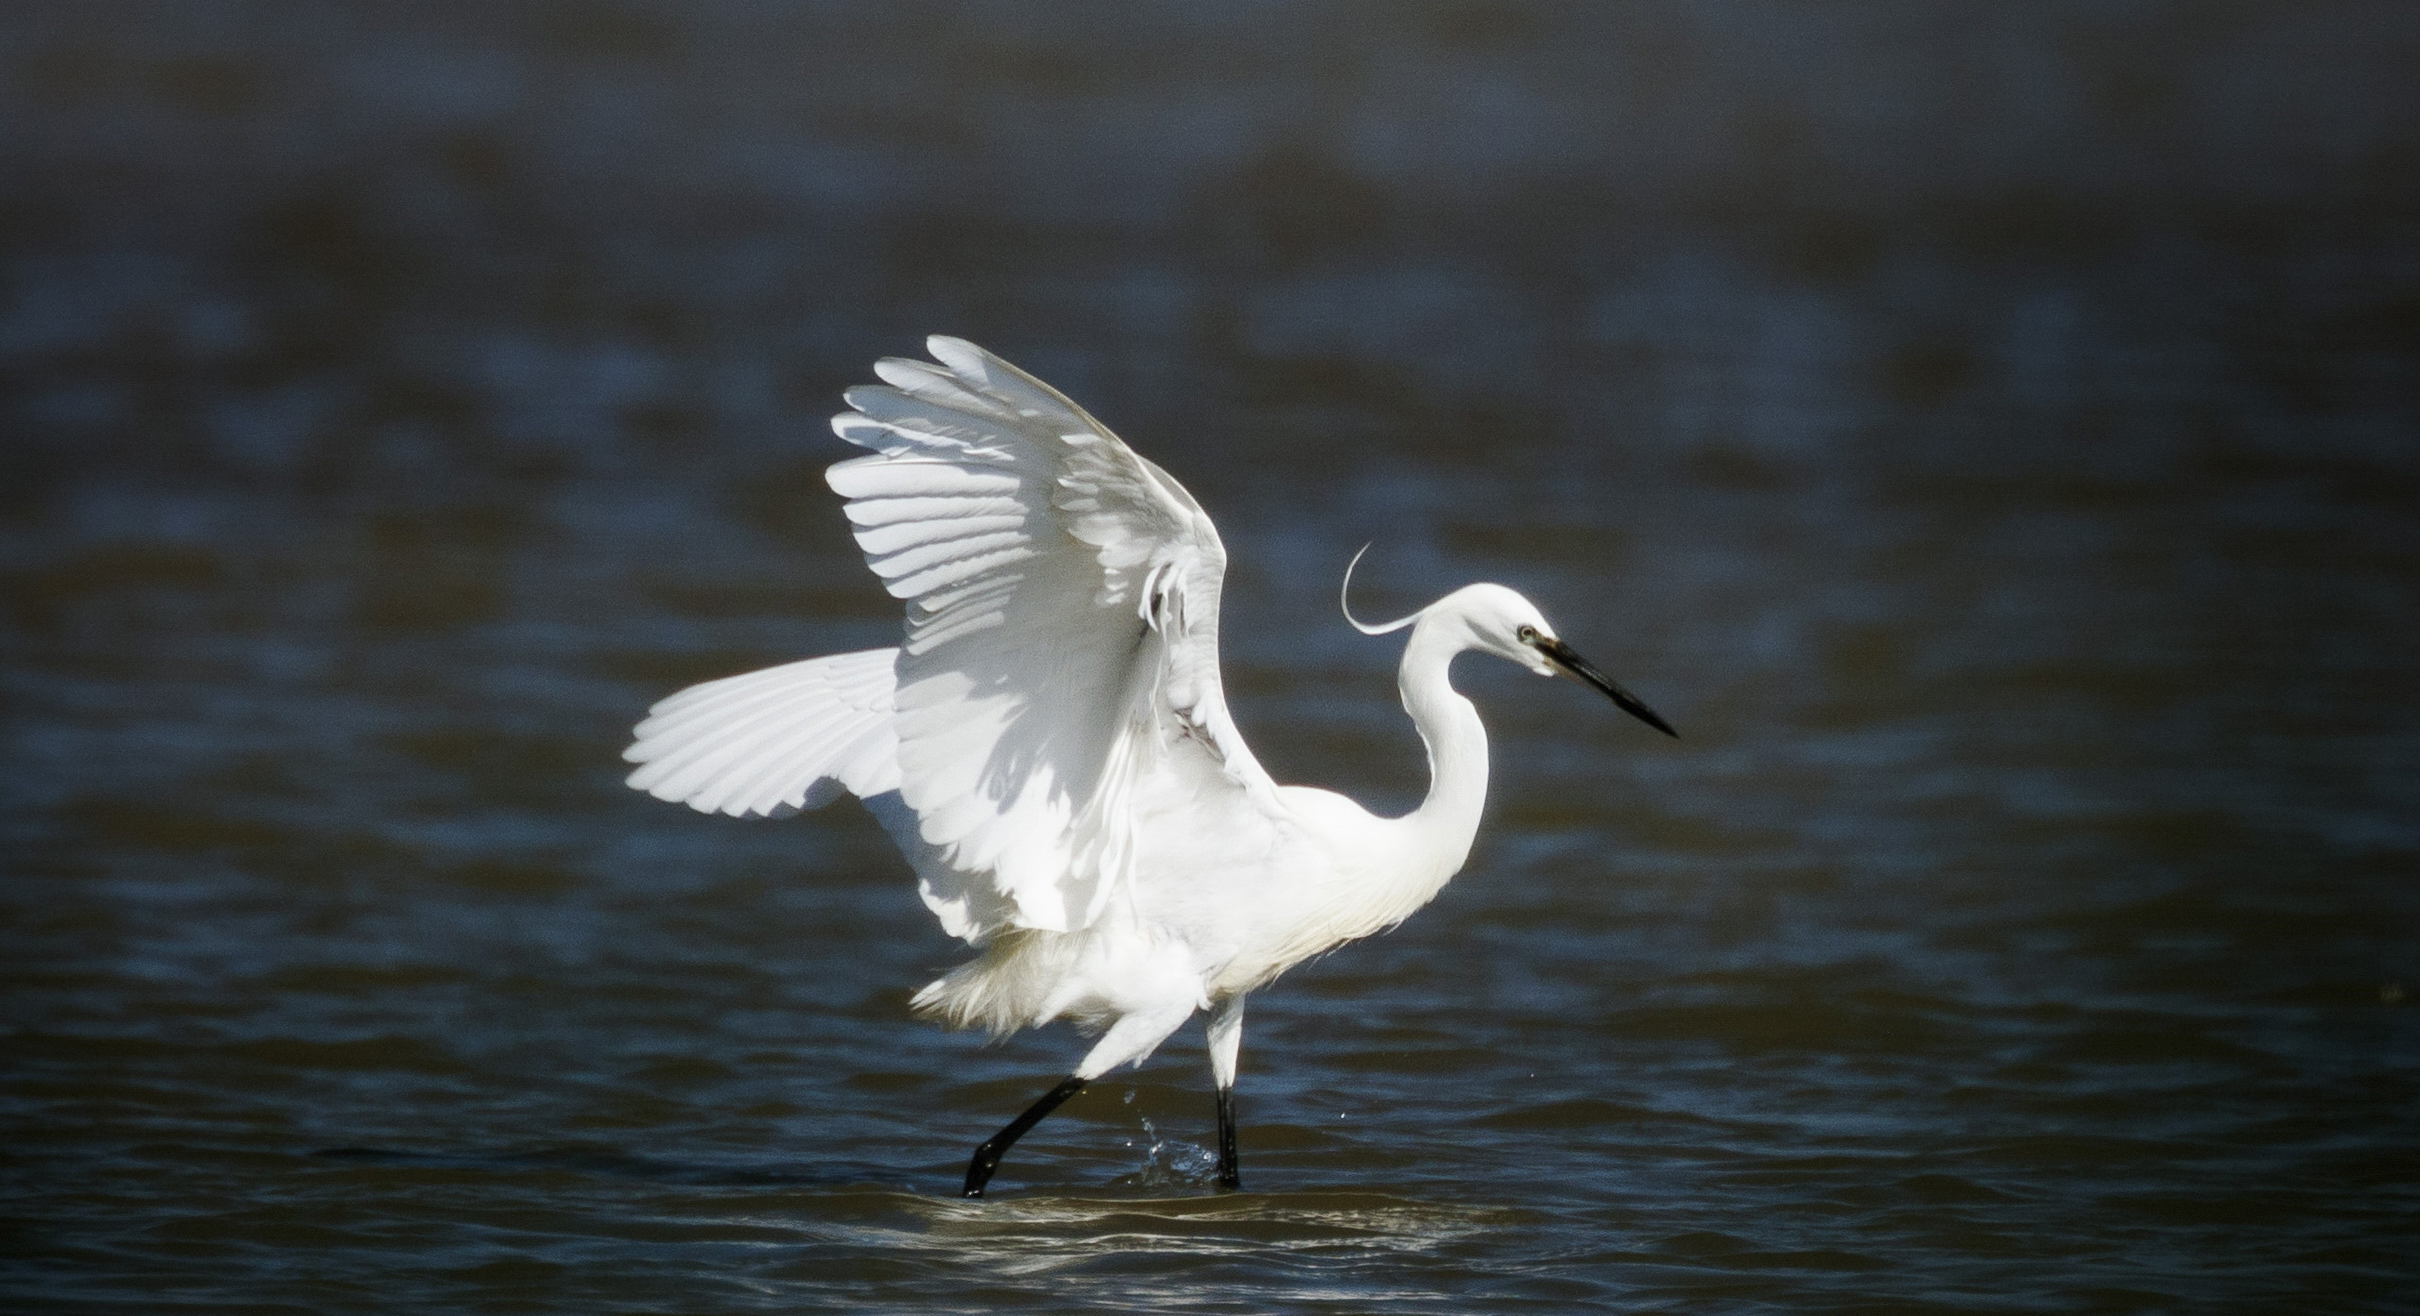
(1527, 635)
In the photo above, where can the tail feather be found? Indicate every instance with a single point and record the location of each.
(1015, 983)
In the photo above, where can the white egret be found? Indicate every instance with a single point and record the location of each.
(1050, 746)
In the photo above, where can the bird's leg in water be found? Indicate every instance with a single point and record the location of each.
(1228, 1179)
(1226, 1046)
(987, 1156)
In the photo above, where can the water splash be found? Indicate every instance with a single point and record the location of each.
(1167, 1163)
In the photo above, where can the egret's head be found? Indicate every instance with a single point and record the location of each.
(1493, 619)
(1505, 624)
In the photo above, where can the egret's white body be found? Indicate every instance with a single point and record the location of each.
(1050, 744)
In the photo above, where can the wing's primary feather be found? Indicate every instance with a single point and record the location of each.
(1062, 633)
(786, 738)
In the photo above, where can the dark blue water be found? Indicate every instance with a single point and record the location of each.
(1990, 437)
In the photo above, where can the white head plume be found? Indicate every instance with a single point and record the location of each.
(1344, 600)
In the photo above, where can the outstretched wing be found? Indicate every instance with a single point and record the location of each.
(1062, 632)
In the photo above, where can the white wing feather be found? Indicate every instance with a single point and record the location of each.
(793, 737)
(786, 738)
(1062, 635)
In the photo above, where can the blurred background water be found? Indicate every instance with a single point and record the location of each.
(1987, 432)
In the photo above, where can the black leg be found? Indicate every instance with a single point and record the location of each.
(1228, 1179)
(987, 1156)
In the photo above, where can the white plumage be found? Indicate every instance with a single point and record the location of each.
(1050, 743)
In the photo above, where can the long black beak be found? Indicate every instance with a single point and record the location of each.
(1567, 663)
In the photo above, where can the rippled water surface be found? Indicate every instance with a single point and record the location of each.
(1989, 436)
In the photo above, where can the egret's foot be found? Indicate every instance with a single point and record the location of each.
(987, 1157)
(1228, 1179)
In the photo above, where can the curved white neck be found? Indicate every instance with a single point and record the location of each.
(1444, 825)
